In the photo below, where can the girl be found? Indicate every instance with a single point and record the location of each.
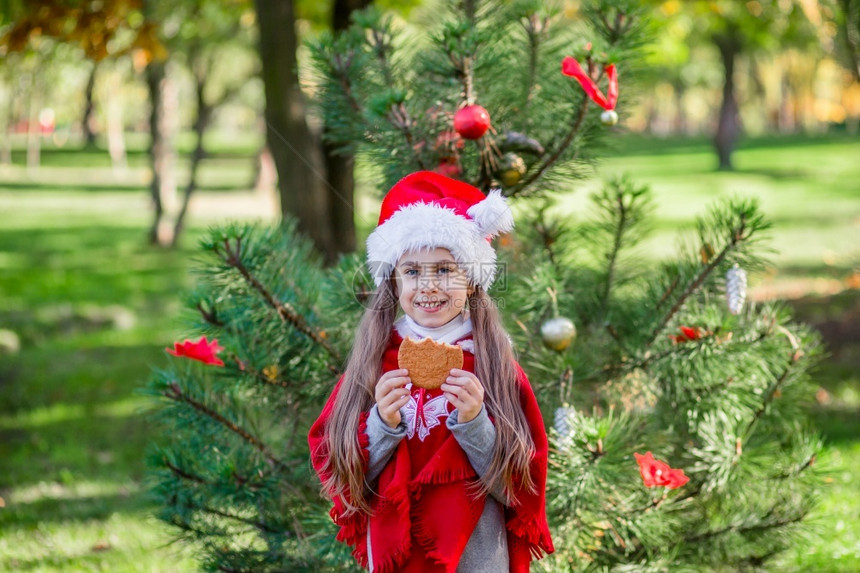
(435, 480)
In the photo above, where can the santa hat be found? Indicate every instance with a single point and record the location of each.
(426, 210)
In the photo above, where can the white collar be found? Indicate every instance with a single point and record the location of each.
(456, 329)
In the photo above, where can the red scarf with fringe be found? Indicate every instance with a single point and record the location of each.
(424, 508)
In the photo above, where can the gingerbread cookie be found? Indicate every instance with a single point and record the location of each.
(428, 362)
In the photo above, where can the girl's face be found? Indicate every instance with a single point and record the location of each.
(431, 287)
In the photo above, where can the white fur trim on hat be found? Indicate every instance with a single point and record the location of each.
(428, 225)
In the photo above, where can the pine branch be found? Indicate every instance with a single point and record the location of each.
(796, 354)
(645, 362)
(549, 161)
(618, 28)
(547, 238)
(399, 117)
(465, 71)
(470, 9)
(669, 290)
(175, 393)
(535, 28)
(756, 561)
(187, 526)
(380, 46)
(210, 316)
(617, 338)
(257, 524)
(339, 64)
(737, 236)
(762, 526)
(613, 254)
(261, 376)
(286, 312)
(184, 474)
(794, 473)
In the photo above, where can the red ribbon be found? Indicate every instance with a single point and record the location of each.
(419, 408)
(570, 67)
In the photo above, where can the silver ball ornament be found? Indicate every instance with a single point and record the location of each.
(558, 333)
(609, 117)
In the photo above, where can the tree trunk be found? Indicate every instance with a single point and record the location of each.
(155, 77)
(340, 168)
(301, 181)
(851, 30)
(115, 126)
(342, 10)
(341, 197)
(204, 113)
(88, 119)
(728, 128)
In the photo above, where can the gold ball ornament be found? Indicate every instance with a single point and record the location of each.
(557, 333)
(609, 117)
(511, 169)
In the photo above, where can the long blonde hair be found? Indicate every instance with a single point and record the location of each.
(494, 367)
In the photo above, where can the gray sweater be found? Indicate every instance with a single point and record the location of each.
(487, 549)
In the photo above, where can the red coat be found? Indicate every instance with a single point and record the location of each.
(424, 510)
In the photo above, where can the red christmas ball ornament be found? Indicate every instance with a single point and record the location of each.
(472, 121)
(449, 167)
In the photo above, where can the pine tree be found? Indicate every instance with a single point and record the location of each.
(662, 363)
(669, 363)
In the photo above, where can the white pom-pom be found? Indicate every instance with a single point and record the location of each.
(492, 215)
(736, 288)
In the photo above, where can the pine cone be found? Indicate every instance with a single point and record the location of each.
(736, 288)
(562, 419)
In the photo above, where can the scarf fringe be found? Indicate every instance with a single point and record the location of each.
(428, 543)
(396, 495)
(352, 528)
(526, 529)
(392, 562)
(364, 439)
(359, 553)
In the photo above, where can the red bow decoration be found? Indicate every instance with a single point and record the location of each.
(658, 474)
(570, 67)
(688, 334)
(202, 350)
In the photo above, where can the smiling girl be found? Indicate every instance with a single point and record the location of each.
(435, 480)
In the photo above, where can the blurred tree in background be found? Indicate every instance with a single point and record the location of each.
(737, 29)
(850, 27)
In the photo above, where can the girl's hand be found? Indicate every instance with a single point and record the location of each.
(391, 395)
(465, 392)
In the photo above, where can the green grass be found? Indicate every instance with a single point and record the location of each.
(94, 308)
(807, 188)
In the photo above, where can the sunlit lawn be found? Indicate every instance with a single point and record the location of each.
(94, 307)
